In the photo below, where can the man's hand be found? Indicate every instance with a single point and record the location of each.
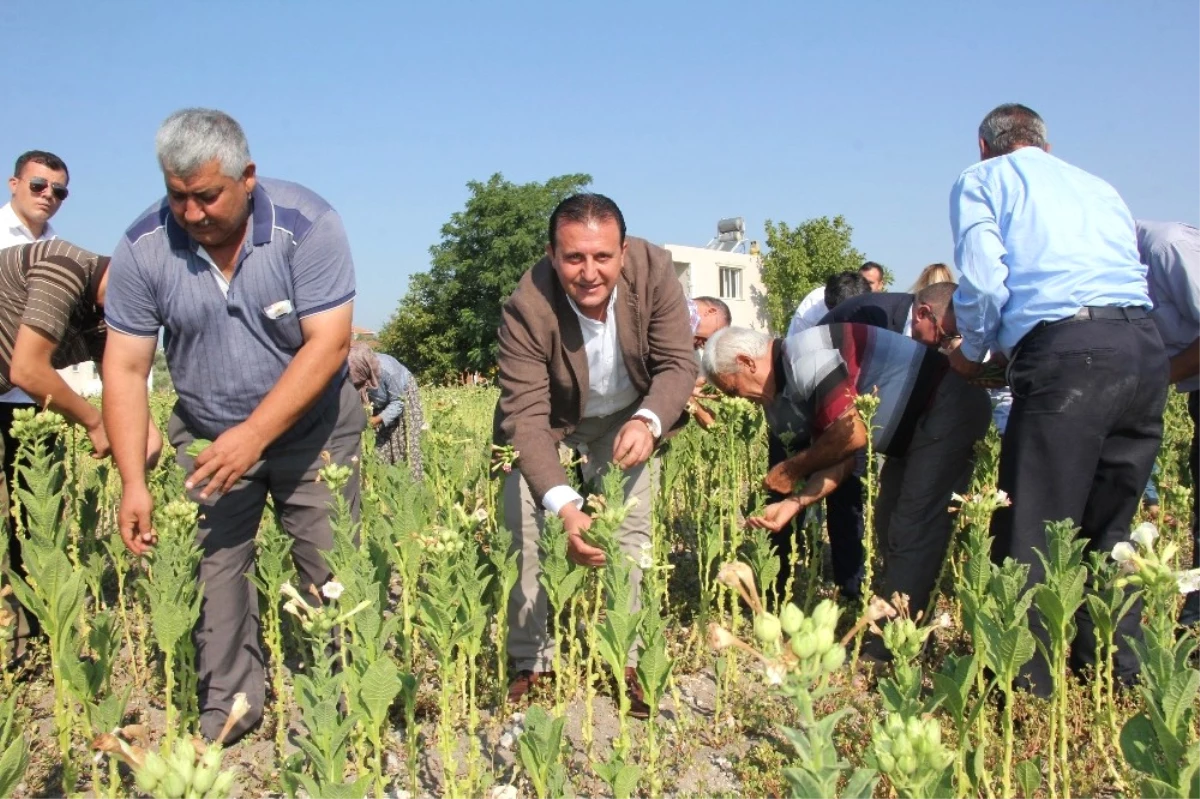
(135, 519)
(776, 515)
(968, 369)
(99, 439)
(634, 444)
(579, 551)
(223, 462)
(782, 478)
(703, 416)
(375, 421)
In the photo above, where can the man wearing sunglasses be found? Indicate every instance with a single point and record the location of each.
(38, 186)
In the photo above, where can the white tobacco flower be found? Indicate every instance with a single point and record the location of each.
(1002, 497)
(646, 546)
(961, 498)
(645, 562)
(1189, 581)
(1144, 534)
(332, 590)
(1123, 552)
(503, 792)
(481, 515)
(292, 607)
(506, 740)
(945, 621)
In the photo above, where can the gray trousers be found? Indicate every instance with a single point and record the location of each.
(529, 643)
(229, 657)
(912, 516)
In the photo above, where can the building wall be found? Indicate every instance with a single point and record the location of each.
(700, 271)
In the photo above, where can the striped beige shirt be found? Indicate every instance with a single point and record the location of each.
(50, 286)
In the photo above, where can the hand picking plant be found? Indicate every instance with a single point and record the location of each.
(174, 596)
(801, 669)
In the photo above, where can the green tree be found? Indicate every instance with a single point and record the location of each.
(446, 323)
(801, 258)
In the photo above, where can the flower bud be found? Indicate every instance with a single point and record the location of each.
(825, 614)
(824, 639)
(173, 785)
(154, 766)
(887, 763)
(790, 618)
(146, 782)
(804, 645)
(767, 628)
(204, 779)
(220, 788)
(832, 660)
(907, 764)
(901, 746)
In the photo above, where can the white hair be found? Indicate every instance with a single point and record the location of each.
(724, 347)
(193, 137)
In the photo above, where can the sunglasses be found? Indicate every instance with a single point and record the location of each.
(944, 339)
(39, 185)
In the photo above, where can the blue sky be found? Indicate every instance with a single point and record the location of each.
(684, 112)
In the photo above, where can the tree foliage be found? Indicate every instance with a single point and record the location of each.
(446, 324)
(801, 258)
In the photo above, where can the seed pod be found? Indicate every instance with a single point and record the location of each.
(790, 618)
(146, 782)
(902, 747)
(887, 763)
(825, 614)
(766, 628)
(204, 779)
(173, 785)
(220, 788)
(833, 659)
(804, 645)
(907, 764)
(154, 766)
(824, 637)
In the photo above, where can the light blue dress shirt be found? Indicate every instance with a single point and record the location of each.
(1171, 253)
(387, 399)
(1036, 239)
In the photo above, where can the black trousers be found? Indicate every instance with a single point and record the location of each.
(1191, 605)
(1085, 427)
(844, 512)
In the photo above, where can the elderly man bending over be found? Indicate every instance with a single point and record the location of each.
(927, 424)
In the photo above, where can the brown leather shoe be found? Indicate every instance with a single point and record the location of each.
(637, 698)
(523, 681)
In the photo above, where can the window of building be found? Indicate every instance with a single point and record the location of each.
(731, 283)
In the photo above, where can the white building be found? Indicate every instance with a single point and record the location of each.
(84, 379)
(728, 268)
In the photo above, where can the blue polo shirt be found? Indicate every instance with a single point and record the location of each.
(228, 345)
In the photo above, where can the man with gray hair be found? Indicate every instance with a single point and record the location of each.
(1051, 282)
(927, 423)
(253, 282)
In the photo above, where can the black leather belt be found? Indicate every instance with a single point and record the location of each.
(1104, 312)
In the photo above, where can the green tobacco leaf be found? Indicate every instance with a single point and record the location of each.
(197, 446)
(1029, 776)
(1138, 745)
(13, 763)
(378, 688)
(654, 667)
(1180, 697)
(861, 784)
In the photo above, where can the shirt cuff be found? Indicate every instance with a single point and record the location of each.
(652, 418)
(557, 498)
(971, 352)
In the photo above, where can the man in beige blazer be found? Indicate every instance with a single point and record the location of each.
(595, 353)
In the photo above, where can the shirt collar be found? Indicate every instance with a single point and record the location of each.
(13, 224)
(262, 222)
(612, 301)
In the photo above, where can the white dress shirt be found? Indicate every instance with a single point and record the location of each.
(14, 233)
(810, 311)
(609, 387)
